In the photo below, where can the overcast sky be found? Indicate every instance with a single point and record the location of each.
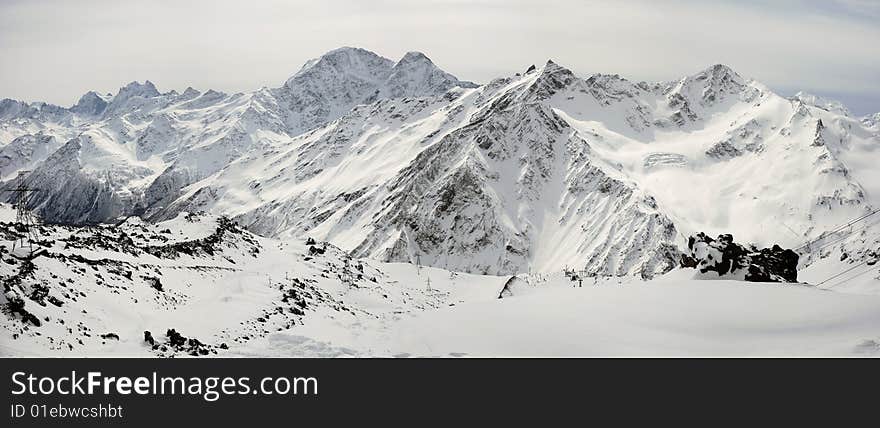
(55, 50)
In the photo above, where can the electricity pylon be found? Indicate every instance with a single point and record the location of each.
(23, 216)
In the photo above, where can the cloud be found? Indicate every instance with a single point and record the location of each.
(56, 50)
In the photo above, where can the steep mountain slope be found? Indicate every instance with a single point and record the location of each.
(489, 180)
(517, 186)
(328, 87)
(26, 151)
(545, 170)
(401, 161)
(170, 140)
(744, 156)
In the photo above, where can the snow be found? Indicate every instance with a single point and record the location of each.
(235, 297)
(743, 153)
(391, 162)
(671, 316)
(7, 213)
(343, 135)
(821, 102)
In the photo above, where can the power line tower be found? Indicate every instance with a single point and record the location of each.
(418, 264)
(23, 217)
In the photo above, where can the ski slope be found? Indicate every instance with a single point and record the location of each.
(674, 315)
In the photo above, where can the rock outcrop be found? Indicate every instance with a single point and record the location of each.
(729, 259)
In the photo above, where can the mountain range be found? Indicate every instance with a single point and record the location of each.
(401, 161)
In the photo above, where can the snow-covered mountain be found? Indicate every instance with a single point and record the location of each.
(141, 147)
(401, 161)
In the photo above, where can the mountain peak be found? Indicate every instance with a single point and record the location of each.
(552, 68)
(711, 84)
(357, 62)
(551, 78)
(715, 74)
(823, 103)
(416, 75)
(348, 50)
(414, 56)
(91, 104)
(343, 56)
(376, 76)
(721, 68)
(190, 92)
(349, 54)
(146, 90)
(415, 60)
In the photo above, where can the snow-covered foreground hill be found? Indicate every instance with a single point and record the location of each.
(671, 316)
(202, 286)
(97, 290)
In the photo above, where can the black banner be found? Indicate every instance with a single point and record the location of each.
(415, 392)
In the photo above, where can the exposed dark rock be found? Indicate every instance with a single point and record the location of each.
(175, 338)
(726, 257)
(178, 343)
(16, 304)
(723, 150)
(154, 282)
(818, 139)
(208, 245)
(15, 287)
